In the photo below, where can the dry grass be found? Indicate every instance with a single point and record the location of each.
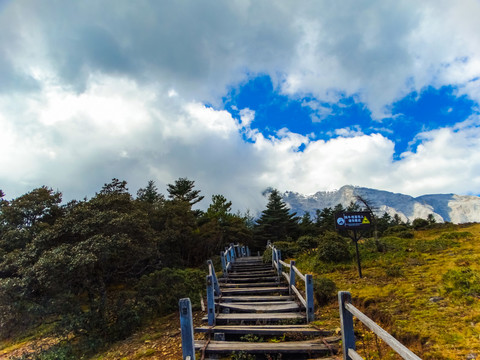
(411, 302)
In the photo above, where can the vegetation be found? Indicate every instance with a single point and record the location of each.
(98, 268)
(90, 272)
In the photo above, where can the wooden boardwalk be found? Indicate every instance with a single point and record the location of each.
(255, 301)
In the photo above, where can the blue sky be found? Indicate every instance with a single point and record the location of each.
(417, 112)
(240, 96)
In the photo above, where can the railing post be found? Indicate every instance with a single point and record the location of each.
(232, 253)
(229, 257)
(273, 257)
(224, 264)
(292, 277)
(214, 278)
(309, 297)
(248, 251)
(186, 327)
(279, 257)
(210, 301)
(346, 324)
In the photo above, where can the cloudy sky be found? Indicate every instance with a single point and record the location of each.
(240, 95)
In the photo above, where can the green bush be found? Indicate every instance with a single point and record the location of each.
(394, 230)
(324, 290)
(161, 290)
(462, 283)
(419, 223)
(288, 249)
(307, 242)
(267, 256)
(407, 234)
(333, 248)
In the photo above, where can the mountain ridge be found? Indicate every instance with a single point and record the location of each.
(444, 207)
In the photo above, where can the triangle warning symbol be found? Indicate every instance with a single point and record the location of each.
(365, 220)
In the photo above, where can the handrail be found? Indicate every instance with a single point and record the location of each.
(228, 257)
(300, 275)
(283, 263)
(347, 311)
(278, 264)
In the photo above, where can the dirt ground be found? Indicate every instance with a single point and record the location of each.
(160, 340)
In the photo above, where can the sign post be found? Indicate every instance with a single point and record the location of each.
(357, 220)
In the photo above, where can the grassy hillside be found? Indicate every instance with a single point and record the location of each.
(424, 290)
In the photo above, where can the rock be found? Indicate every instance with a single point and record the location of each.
(472, 356)
(435, 299)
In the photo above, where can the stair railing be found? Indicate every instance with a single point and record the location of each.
(278, 264)
(347, 311)
(228, 256)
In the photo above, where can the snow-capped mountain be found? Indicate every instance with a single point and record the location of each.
(444, 207)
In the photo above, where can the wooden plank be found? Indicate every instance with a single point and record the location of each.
(264, 330)
(300, 275)
(259, 316)
(253, 274)
(354, 355)
(265, 308)
(299, 296)
(260, 302)
(255, 298)
(291, 347)
(248, 279)
(247, 285)
(255, 290)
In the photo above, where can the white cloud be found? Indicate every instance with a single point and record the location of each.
(87, 95)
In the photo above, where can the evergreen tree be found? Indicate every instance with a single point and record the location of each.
(182, 190)
(150, 194)
(276, 222)
(307, 226)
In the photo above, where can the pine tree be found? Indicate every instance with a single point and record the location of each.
(276, 222)
(182, 190)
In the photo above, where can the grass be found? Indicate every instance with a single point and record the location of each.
(406, 291)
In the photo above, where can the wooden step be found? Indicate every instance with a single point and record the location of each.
(274, 317)
(255, 290)
(316, 347)
(273, 330)
(255, 298)
(250, 271)
(261, 307)
(249, 285)
(232, 279)
(253, 274)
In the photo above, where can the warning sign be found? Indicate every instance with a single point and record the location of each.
(359, 220)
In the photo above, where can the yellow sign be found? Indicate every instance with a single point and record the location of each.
(365, 220)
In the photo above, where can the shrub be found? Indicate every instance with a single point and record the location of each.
(267, 256)
(160, 290)
(324, 290)
(419, 223)
(394, 230)
(462, 283)
(307, 242)
(288, 249)
(333, 248)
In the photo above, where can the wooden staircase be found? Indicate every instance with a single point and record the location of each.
(255, 304)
